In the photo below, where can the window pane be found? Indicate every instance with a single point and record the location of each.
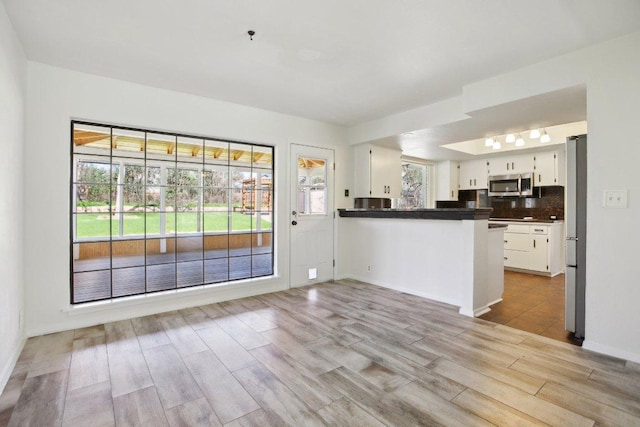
(312, 177)
(161, 277)
(190, 273)
(128, 281)
(91, 139)
(91, 286)
(92, 225)
(127, 143)
(190, 150)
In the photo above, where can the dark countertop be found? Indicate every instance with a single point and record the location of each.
(440, 213)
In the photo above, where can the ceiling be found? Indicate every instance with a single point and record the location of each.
(338, 61)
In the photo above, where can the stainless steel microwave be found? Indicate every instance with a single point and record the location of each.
(514, 185)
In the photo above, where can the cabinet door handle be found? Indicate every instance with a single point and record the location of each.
(470, 184)
(507, 165)
(534, 244)
(513, 165)
(452, 194)
(506, 258)
(506, 241)
(474, 181)
(539, 178)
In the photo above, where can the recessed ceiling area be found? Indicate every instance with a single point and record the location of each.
(341, 62)
(566, 106)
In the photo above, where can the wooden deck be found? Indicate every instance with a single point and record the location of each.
(343, 353)
(104, 277)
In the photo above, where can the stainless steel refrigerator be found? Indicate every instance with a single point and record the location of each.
(576, 223)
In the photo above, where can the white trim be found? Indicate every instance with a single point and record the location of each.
(155, 297)
(79, 317)
(7, 369)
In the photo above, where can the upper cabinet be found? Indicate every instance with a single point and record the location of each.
(447, 180)
(549, 168)
(473, 174)
(378, 171)
(511, 164)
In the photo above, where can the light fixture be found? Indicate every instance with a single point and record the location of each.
(497, 145)
(251, 34)
(519, 141)
(545, 136)
(534, 134)
(510, 138)
(489, 142)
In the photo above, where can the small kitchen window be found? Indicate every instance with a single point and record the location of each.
(417, 185)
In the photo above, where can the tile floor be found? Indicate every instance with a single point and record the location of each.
(534, 304)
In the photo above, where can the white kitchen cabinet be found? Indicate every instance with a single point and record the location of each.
(447, 180)
(473, 174)
(549, 168)
(378, 171)
(504, 165)
(534, 247)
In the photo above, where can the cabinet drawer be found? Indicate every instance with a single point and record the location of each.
(539, 229)
(517, 242)
(516, 259)
(517, 228)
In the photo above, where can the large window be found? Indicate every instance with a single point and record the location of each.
(417, 187)
(154, 211)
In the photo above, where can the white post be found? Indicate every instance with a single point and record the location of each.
(163, 204)
(119, 199)
(258, 209)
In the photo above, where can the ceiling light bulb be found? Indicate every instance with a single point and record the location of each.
(519, 141)
(489, 142)
(497, 145)
(545, 136)
(510, 138)
(534, 134)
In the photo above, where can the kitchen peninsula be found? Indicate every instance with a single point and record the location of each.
(448, 255)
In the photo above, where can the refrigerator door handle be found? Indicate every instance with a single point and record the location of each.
(571, 251)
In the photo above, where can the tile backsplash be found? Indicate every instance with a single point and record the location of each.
(549, 203)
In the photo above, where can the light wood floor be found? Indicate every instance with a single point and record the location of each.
(343, 353)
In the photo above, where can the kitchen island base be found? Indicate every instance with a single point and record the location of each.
(451, 261)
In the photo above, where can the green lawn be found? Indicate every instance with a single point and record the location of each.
(97, 225)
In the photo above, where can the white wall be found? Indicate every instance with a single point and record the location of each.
(611, 72)
(12, 103)
(55, 96)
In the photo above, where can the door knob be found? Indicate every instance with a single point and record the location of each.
(294, 213)
(294, 222)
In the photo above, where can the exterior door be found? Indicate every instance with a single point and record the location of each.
(311, 215)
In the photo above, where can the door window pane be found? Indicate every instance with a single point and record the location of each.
(312, 190)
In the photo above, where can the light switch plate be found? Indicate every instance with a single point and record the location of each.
(615, 198)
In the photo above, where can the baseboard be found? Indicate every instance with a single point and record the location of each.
(610, 351)
(426, 295)
(11, 363)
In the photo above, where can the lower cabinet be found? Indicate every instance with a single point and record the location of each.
(536, 248)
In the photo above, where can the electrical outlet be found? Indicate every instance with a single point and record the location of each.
(368, 268)
(346, 192)
(615, 198)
